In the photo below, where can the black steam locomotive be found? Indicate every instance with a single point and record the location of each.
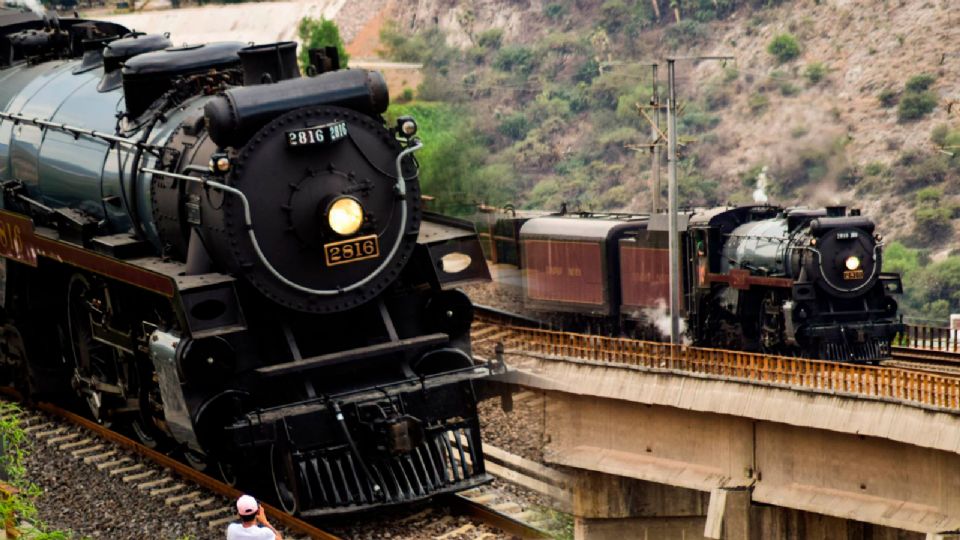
(234, 260)
(790, 281)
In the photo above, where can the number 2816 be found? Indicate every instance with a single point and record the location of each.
(355, 249)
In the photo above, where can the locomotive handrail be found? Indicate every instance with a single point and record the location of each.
(78, 131)
(248, 220)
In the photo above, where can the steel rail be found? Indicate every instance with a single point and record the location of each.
(496, 519)
(457, 502)
(934, 356)
(185, 471)
(492, 315)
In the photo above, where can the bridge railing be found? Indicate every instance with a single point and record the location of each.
(929, 389)
(934, 338)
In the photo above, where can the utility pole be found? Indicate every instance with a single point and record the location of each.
(655, 135)
(673, 230)
(672, 194)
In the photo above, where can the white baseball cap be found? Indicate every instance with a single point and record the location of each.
(247, 505)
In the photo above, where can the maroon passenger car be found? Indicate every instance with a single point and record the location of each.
(570, 263)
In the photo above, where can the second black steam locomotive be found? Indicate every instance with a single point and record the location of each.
(791, 281)
(234, 259)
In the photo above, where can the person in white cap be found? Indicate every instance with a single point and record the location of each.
(253, 522)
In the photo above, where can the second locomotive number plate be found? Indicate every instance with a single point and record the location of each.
(311, 136)
(353, 250)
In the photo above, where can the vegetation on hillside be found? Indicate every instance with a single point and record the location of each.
(316, 34)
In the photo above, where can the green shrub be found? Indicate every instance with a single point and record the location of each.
(407, 95)
(815, 72)
(516, 59)
(491, 39)
(428, 46)
(685, 33)
(730, 74)
(799, 131)
(554, 10)
(784, 48)
(931, 225)
(514, 126)
(916, 105)
(695, 120)
(476, 55)
(318, 33)
(788, 89)
(874, 168)
(920, 83)
(916, 169)
(939, 135)
(929, 196)
(749, 177)
(587, 71)
(708, 10)
(613, 15)
(888, 97)
(758, 103)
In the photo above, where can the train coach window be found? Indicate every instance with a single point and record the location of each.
(454, 263)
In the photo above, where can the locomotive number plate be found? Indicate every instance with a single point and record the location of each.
(852, 274)
(316, 135)
(353, 250)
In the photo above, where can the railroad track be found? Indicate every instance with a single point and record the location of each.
(926, 355)
(492, 324)
(192, 493)
(491, 315)
(118, 458)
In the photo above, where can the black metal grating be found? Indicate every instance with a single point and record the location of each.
(867, 351)
(332, 480)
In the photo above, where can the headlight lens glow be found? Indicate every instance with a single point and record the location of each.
(853, 263)
(345, 216)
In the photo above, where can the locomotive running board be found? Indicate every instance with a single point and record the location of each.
(359, 353)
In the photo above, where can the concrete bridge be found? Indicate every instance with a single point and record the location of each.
(680, 443)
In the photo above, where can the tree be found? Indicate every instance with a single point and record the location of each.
(319, 33)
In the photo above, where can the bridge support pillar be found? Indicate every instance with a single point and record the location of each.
(611, 507)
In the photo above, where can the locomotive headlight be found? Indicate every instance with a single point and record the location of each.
(853, 263)
(345, 216)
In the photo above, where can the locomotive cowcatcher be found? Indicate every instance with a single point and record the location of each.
(233, 260)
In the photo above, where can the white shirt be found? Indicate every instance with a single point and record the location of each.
(236, 531)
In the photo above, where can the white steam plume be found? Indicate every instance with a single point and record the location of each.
(659, 318)
(34, 6)
(760, 194)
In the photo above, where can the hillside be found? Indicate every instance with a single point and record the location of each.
(844, 102)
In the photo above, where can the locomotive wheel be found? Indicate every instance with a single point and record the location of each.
(91, 361)
(771, 325)
(223, 471)
(284, 481)
(144, 435)
(227, 473)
